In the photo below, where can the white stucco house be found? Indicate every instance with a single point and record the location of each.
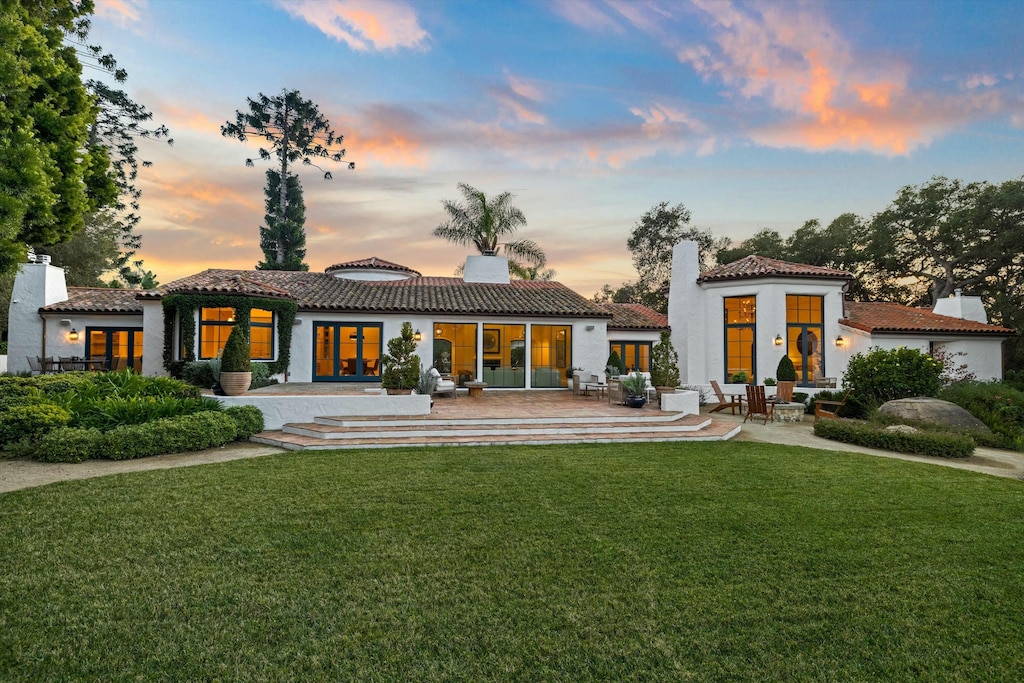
(334, 326)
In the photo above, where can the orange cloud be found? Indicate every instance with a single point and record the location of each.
(362, 25)
(178, 117)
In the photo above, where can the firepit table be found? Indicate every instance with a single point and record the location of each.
(476, 389)
(789, 412)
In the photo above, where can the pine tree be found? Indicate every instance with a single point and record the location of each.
(288, 234)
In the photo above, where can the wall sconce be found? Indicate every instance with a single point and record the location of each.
(840, 342)
(73, 334)
(590, 328)
(438, 332)
(778, 340)
(418, 336)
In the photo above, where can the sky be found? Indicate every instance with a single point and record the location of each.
(752, 115)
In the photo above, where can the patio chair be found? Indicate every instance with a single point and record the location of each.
(35, 365)
(784, 391)
(615, 392)
(120, 363)
(71, 363)
(829, 409)
(723, 402)
(441, 385)
(758, 405)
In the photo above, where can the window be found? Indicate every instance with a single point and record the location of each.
(740, 328)
(215, 326)
(455, 351)
(804, 334)
(550, 347)
(504, 355)
(635, 356)
(120, 347)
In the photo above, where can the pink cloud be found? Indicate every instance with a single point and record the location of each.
(122, 12)
(361, 24)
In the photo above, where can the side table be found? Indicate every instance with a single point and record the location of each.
(476, 389)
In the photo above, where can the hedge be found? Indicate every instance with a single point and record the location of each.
(918, 443)
(195, 432)
(248, 420)
(30, 421)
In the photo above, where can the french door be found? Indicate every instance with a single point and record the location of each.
(119, 347)
(346, 352)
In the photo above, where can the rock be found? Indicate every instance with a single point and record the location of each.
(933, 410)
(902, 429)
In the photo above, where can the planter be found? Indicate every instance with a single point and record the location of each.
(398, 392)
(665, 390)
(636, 401)
(235, 383)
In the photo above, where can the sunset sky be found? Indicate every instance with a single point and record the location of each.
(753, 115)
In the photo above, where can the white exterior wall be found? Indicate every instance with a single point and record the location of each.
(688, 314)
(57, 332)
(983, 357)
(36, 285)
(152, 338)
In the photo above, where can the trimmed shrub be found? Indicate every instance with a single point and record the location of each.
(887, 374)
(261, 376)
(170, 435)
(236, 352)
(30, 421)
(614, 365)
(664, 363)
(248, 420)
(785, 371)
(918, 443)
(68, 444)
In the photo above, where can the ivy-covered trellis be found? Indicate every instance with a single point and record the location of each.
(184, 308)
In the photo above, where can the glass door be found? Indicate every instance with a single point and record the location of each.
(119, 348)
(346, 352)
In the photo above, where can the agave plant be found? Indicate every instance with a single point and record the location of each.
(634, 384)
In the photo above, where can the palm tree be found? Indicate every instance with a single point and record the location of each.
(483, 224)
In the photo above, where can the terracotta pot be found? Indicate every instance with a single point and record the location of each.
(235, 383)
(399, 392)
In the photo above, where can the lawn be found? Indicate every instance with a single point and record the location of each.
(723, 561)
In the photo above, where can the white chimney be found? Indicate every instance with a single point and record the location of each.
(962, 307)
(486, 269)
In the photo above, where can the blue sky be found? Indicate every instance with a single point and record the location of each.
(753, 115)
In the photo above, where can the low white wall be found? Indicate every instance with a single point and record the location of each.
(682, 401)
(3, 363)
(280, 410)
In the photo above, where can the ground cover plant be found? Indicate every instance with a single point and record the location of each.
(78, 416)
(725, 561)
(998, 405)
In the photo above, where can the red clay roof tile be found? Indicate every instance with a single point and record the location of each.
(755, 266)
(887, 317)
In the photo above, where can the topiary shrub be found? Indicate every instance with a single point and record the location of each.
(248, 420)
(614, 366)
(30, 421)
(915, 442)
(68, 444)
(887, 374)
(786, 371)
(664, 362)
(401, 362)
(236, 352)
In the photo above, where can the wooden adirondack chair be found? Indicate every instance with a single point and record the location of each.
(829, 409)
(758, 405)
(723, 402)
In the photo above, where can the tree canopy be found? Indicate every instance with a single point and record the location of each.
(487, 225)
(50, 179)
(295, 131)
(287, 233)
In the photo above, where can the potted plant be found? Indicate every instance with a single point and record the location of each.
(426, 385)
(614, 367)
(235, 367)
(665, 365)
(739, 377)
(786, 373)
(635, 386)
(401, 363)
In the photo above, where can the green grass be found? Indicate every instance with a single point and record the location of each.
(732, 561)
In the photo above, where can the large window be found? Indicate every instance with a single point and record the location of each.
(215, 326)
(455, 351)
(550, 347)
(804, 334)
(740, 329)
(346, 352)
(120, 347)
(635, 356)
(505, 355)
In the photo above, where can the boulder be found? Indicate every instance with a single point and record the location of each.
(923, 409)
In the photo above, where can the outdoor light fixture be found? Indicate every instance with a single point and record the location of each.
(778, 340)
(73, 335)
(438, 332)
(418, 335)
(840, 341)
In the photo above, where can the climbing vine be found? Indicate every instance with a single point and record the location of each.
(183, 307)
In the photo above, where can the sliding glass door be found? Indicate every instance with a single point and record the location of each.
(346, 352)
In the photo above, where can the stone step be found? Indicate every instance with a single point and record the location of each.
(482, 427)
(715, 431)
(639, 419)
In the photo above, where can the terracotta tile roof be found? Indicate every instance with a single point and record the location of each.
(97, 300)
(886, 317)
(216, 281)
(755, 266)
(635, 317)
(372, 262)
(319, 291)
